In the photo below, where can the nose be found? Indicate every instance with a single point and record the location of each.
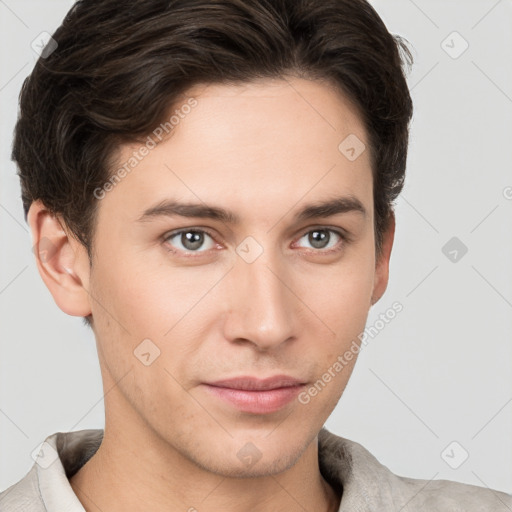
(261, 305)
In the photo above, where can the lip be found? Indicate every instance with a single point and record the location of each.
(256, 384)
(256, 396)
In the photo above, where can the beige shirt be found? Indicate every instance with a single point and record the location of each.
(354, 473)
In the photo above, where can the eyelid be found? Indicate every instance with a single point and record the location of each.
(343, 233)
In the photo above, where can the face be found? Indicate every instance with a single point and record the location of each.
(180, 302)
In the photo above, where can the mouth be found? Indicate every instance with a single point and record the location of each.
(256, 396)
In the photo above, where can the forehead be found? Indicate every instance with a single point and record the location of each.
(317, 102)
(279, 138)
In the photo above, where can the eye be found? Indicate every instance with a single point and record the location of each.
(190, 240)
(321, 238)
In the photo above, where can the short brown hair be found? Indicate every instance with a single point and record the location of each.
(121, 65)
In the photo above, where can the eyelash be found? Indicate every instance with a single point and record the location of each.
(196, 254)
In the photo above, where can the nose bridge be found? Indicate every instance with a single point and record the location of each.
(261, 307)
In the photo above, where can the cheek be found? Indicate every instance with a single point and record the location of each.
(340, 299)
(130, 323)
(171, 307)
(342, 295)
(146, 297)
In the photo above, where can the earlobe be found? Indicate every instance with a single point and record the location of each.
(382, 264)
(60, 261)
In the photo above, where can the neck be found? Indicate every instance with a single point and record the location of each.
(127, 476)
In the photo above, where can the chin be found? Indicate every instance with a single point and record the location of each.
(250, 463)
(259, 453)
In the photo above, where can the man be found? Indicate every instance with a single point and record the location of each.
(210, 186)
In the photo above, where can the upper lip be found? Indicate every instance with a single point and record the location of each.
(253, 383)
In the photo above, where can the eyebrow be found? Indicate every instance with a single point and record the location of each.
(327, 208)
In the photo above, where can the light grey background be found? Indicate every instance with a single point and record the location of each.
(440, 372)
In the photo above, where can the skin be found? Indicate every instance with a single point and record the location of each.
(168, 443)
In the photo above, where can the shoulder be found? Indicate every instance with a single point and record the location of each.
(369, 485)
(46, 486)
(23, 495)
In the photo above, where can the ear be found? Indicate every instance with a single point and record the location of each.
(382, 263)
(62, 261)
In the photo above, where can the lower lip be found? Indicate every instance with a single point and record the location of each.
(256, 402)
